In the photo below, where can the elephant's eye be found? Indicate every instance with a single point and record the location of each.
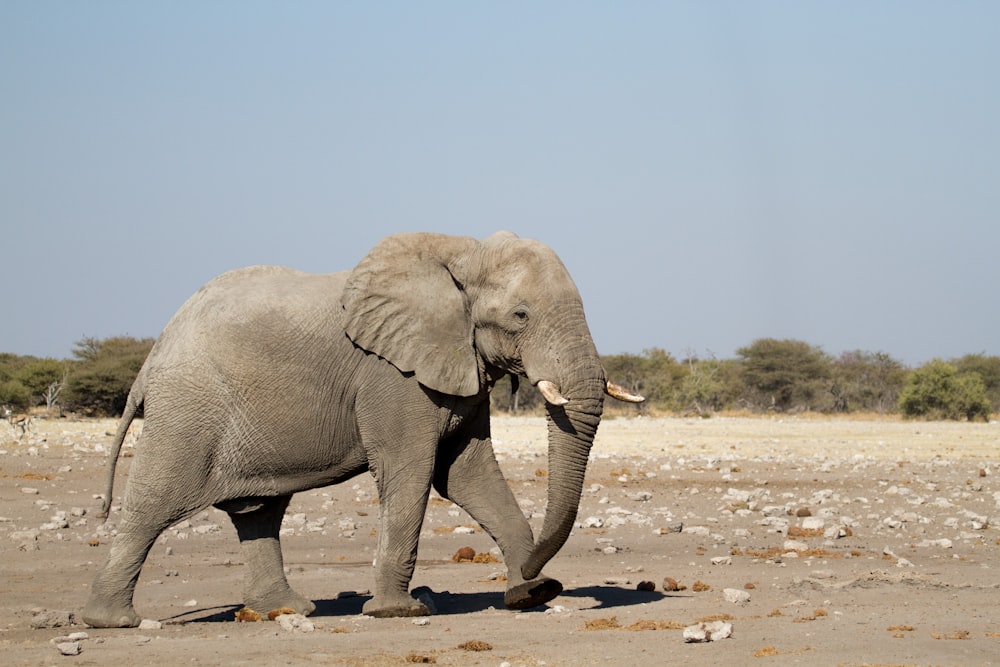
(521, 314)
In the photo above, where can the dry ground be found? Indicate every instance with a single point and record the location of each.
(896, 564)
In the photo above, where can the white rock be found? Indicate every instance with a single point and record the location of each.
(722, 560)
(813, 523)
(795, 545)
(150, 624)
(708, 632)
(736, 596)
(69, 648)
(295, 623)
(593, 522)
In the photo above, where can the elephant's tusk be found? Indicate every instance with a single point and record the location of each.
(622, 394)
(551, 393)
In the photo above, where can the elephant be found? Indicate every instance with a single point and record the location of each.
(269, 381)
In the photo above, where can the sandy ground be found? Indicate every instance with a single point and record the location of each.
(818, 542)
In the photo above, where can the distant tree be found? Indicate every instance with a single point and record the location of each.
(655, 374)
(988, 370)
(525, 399)
(43, 378)
(866, 381)
(937, 391)
(785, 374)
(710, 385)
(103, 373)
(14, 395)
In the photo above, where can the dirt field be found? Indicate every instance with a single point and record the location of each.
(817, 542)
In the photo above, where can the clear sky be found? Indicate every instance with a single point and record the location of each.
(710, 172)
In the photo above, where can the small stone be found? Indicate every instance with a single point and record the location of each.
(295, 623)
(29, 490)
(813, 523)
(803, 512)
(736, 596)
(647, 586)
(52, 619)
(670, 584)
(708, 632)
(421, 621)
(722, 560)
(69, 648)
(150, 624)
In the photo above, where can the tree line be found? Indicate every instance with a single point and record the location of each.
(767, 376)
(792, 376)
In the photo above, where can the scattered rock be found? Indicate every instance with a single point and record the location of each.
(150, 624)
(711, 631)
(670, 585)
(736, 596)
(295, 623)
(69, 648)
(52, 619)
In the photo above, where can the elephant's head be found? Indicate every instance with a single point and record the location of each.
(457, 312)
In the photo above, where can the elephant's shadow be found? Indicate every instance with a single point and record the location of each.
(446, 603)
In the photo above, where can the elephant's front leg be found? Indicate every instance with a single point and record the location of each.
(468, 474)
(404, 480)
(258, 524)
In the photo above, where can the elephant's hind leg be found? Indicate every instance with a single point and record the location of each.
(110, 601)
(265, 587)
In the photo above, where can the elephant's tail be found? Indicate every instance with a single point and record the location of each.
(136, 396)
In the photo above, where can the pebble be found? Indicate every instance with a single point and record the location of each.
(736, 596)
(52, 619)
(69, 648)
(295, 623)
(708, 632)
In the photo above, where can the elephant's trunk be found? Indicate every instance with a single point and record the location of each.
(571, 433)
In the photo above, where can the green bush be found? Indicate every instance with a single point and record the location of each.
(937, 391)
(786, 375)
(99, 381)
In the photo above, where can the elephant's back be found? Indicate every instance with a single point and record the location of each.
(266, 305)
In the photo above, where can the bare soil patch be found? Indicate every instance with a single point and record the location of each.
(857, 541)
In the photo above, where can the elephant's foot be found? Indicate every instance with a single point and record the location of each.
(287, 599)
(531, 593)
(99, 615)
(385, 606)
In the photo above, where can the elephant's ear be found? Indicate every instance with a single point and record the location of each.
(403, 303)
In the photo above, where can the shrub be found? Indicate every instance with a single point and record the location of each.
(937, 391)
(101, 378)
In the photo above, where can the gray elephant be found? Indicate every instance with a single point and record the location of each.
(269, 381)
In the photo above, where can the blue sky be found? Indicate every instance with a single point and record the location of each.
(710, 172)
